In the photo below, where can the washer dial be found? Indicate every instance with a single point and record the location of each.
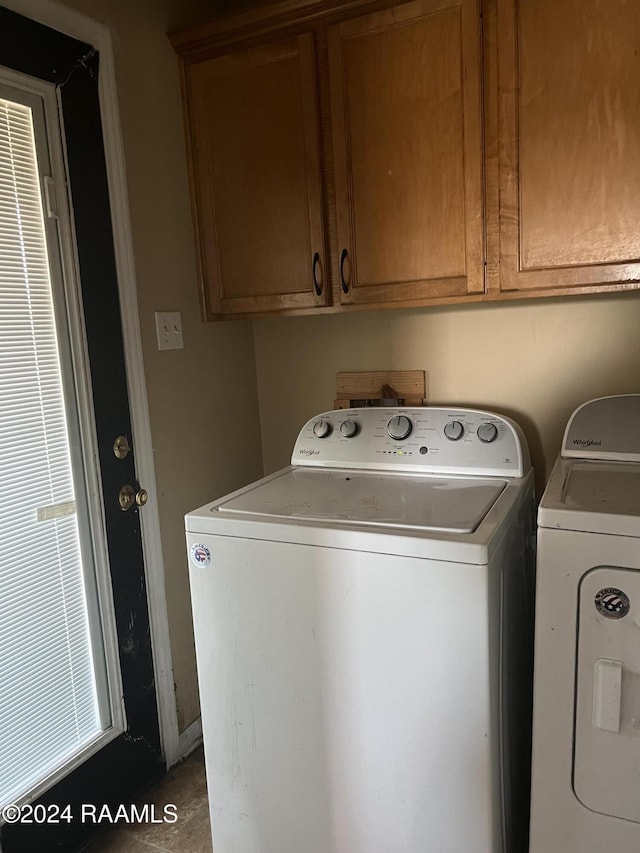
(399, 427)
(321, 428)
(348, 428)
(454, 430)
(487, 433)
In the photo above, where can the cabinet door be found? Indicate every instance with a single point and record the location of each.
(405, 110)
(569, 144)
(253, 118)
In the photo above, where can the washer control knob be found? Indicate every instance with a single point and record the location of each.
(399, 427)
(348, 428)
(321, 429)
(454, 430)
(487, 433)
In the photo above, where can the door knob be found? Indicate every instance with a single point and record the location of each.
(128, 496)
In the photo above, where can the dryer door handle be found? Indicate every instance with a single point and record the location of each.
(607, 694)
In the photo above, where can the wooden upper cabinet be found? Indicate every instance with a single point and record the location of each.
(407, 146)
(252, 117)
(568, 130)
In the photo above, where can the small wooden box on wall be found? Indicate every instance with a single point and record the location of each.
(380, 388)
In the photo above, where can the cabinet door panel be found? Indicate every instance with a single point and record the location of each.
(569, 78)
(257, 177)
(407, 146)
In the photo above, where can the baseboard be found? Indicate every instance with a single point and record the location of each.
(190, 738)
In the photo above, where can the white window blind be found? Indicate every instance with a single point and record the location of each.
(48, 701)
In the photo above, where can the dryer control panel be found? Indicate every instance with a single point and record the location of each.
(606, 428)
(426, 439)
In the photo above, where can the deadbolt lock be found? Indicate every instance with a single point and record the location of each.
(121, 447)
(128, 497)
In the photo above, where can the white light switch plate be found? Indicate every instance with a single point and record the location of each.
(169, 330)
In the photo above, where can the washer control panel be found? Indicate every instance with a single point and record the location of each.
(425, 439)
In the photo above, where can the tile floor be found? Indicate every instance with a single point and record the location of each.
(184, 786)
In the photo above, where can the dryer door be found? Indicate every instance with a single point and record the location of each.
(607, 720)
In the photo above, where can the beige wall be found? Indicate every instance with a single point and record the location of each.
(534, 361)
(192, 392)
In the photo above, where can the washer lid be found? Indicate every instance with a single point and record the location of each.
(596, 497)
(424, 503)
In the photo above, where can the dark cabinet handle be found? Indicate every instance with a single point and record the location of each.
(343, 258)
(314, 270)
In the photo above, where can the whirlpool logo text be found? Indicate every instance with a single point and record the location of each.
(586, 442)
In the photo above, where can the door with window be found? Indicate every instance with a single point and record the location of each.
(78, 712)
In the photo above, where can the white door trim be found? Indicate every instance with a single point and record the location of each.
(79, 26)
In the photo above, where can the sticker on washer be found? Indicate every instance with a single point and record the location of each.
(612, 603)
(200, 555)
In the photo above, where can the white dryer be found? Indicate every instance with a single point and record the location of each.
(586, 742)
(364, 635)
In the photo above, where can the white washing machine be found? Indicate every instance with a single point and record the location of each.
(364, 635)
(586, 742)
